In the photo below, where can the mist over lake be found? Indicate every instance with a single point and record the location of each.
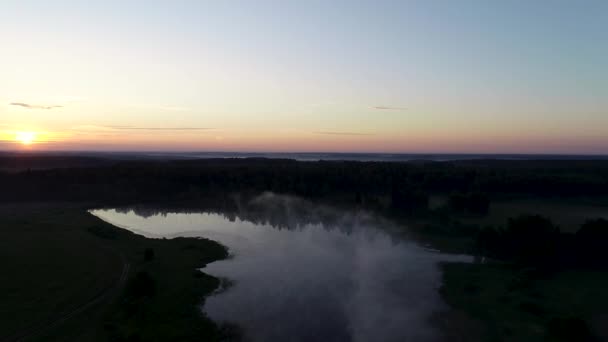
(301, 271)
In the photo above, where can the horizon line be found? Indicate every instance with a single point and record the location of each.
(306, 152)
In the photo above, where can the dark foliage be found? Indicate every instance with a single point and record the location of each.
(405, 200)
(474, 203)
(531, 240)
(527, 240)
(592, 244)
(568, 329)
(451, 228)
(142, 285)
(535, 241)
(103, 232)
(148, 254)
(136, 180)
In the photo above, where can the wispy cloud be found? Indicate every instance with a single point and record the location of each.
(32, 106)
(342, 133)
(136, 128)
(388, 108)
(139, 128)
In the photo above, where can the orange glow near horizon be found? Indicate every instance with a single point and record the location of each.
(25, 138)
(239, 140)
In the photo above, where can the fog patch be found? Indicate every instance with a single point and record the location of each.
(303, 271)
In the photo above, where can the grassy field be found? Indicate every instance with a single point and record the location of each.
(64, 273)
(506, 304)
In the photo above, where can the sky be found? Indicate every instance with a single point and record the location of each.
(291, 76)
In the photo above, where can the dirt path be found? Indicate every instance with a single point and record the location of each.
(104, 295)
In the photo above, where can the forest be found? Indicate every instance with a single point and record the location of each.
(409, 183)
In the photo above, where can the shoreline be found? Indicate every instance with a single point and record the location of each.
(478, 296)
(164, 306)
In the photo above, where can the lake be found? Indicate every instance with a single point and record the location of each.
(301, 271)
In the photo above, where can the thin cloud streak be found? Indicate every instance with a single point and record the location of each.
(345, 133)
(138, 128)
(389, 108)
(32, 106)
(88, 128)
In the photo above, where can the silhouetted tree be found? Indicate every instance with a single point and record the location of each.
(528, 240)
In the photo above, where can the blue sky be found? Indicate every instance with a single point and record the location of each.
(394, 76)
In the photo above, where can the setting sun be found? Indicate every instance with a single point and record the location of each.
(25, 138)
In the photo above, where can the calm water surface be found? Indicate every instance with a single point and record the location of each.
(302, 272)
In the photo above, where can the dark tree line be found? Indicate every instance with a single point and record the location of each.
(406, 185)
(534, 241)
